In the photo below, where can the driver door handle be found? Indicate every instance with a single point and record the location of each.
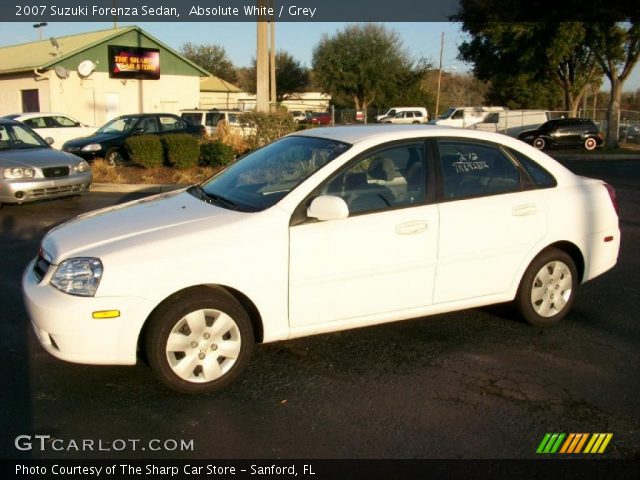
(411, 228)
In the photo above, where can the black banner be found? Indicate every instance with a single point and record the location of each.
(302, 10)
(319, 469)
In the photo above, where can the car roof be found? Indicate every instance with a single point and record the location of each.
(357, 133)
(8, 121)
(40, 114)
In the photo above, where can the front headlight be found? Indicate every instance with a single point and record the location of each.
(16, 173)
(92, 147)
(78, 276)
(81, 167)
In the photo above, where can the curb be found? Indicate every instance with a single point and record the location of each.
(137, 188)
(598, 157)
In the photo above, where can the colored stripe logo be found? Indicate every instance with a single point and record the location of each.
(591, 443)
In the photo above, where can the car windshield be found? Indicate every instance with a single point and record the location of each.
(119, 125)
(18, 137)
(447, 114)
(548, 125)
(261, 178)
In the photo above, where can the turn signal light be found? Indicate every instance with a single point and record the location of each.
(106, 314)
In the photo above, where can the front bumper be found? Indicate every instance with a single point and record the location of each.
(88, 156)
(67, 330)
(29, 190)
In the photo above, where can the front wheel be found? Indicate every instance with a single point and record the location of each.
(114, 156)
(547, 289)
(200, 341)
(590, 143)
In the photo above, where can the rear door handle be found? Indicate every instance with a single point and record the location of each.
(411, 228)
(524, 210)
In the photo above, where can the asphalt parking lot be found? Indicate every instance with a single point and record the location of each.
(472, 384)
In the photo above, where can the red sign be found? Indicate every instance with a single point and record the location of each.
(134, 62)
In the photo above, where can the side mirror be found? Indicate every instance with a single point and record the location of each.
(49, 140)
(328, 207)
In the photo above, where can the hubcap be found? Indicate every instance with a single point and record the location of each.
(551, 289)
(203, 345)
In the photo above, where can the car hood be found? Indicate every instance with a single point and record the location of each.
(163, 216)
(95, 138)
(36, 157)
(525, 133)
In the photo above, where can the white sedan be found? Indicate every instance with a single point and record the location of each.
(324, 230)
(57, 126)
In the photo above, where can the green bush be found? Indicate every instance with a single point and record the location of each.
(267, 127)
(145, 150)
(216, 154)
(181, 150)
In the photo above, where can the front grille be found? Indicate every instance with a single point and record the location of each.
(71, 149)
(54, 172)
(54, 191)
(40, 268)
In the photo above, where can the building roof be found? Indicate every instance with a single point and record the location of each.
(42, 54)
(215, 84)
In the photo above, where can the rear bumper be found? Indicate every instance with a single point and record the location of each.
(603, 248)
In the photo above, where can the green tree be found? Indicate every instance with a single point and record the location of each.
(616, 47)
(291, 76)
(362, 63)
(213, 58)
(522, 60)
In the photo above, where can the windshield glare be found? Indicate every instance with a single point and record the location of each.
(119, 125)
(19, 137)
(260, 179)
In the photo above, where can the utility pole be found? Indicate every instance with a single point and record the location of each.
(439, 75)
(262, 62)
(272, 60)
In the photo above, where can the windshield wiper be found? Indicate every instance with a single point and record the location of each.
(212, 197)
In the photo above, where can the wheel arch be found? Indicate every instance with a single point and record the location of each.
(573, 251)
(244, 300)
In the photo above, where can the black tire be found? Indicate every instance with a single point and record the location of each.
(416, 123)
(540, 143)
(590, 143)
(114, 156)
(170, 319)
(554, 289)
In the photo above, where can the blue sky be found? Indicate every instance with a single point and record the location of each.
(239, 39)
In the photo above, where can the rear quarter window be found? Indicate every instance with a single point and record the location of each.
(540, 176)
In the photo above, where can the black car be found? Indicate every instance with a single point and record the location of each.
(564, 132)
(108, 141)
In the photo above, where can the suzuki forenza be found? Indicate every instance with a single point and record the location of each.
(325, 230)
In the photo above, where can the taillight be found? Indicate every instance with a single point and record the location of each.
(612, 196)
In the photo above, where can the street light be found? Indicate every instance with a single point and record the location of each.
(39, 27)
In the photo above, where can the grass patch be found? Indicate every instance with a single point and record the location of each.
(103, 173)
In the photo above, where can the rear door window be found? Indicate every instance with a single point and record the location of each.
(471, 169)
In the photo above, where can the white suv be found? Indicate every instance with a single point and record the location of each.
(409, 116)
(392, 112)
(210, 119)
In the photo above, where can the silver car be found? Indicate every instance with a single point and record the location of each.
(31, 170)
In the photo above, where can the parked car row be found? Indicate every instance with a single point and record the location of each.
(108, 141)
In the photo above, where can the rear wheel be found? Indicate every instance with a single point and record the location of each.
(590, 143)
(200, 341)
(547, 289)
(540, 143)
